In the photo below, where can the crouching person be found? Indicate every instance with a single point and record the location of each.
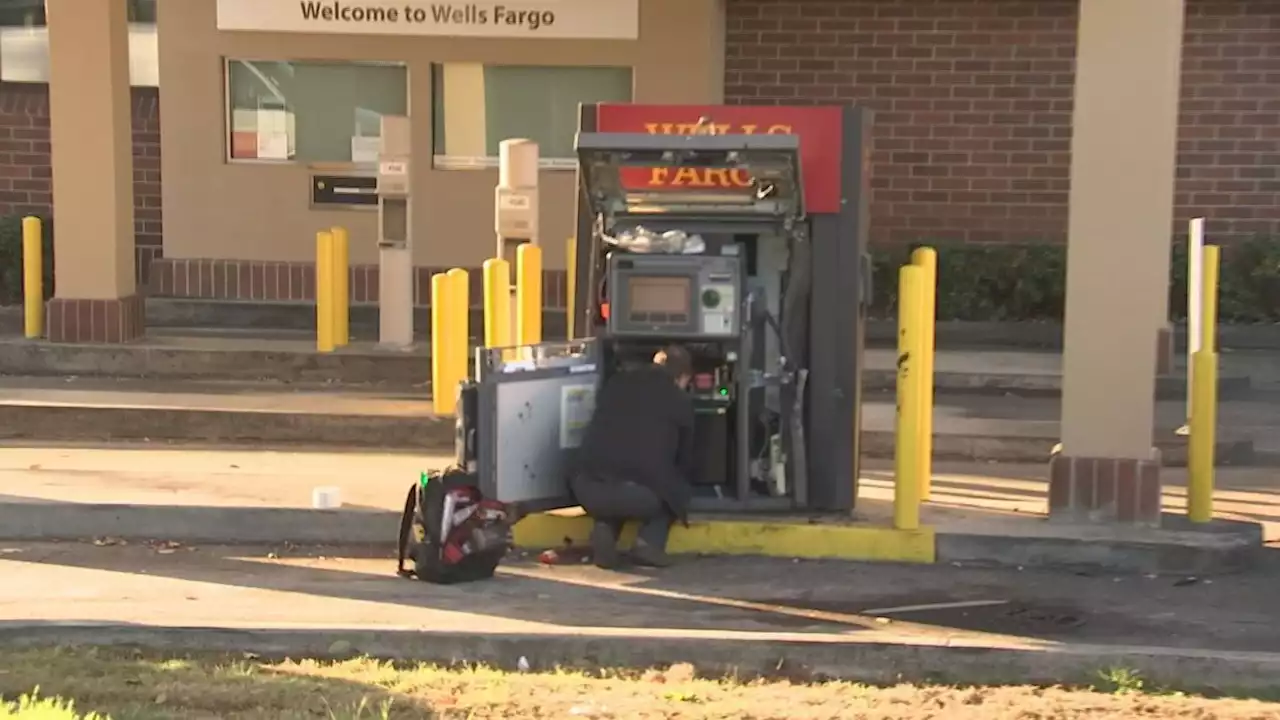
(636, 461)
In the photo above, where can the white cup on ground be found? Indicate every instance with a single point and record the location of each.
(326, 498)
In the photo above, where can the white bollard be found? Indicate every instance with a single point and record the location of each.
(1195, 252)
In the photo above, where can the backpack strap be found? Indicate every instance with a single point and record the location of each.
(406, 531)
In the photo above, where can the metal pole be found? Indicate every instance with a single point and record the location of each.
(571, 265)
(341, 287)
(460, 326)
(441, 335)
(927, 260)
(497, 303)
(528, 295)
(1204, 402)
(907, 485)
(1195, 293)
(324, 292)
(33, 277)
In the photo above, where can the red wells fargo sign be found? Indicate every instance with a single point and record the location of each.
(819, 129)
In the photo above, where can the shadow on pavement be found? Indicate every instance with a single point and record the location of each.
(1249, 494)
(748, 595)
(593, 599)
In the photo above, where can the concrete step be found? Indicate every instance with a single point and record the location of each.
(958, 334)
(1012, 428)
(299, 316)
(248, 355)
(238, 357)
(219, 412)
(973, 427)
(877, 378)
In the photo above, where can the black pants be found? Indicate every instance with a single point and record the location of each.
(614, 503)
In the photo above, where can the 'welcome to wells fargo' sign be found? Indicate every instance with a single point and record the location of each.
(819, 130)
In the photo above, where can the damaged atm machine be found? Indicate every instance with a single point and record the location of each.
(747, 249)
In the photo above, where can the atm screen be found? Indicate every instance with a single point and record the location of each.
(658, 298)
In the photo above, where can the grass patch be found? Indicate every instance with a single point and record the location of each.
(127, 685)
(34, 707)
(1121, 680)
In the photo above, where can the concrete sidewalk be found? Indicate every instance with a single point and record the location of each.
(966, 495)
(992, 514)
(803, 619)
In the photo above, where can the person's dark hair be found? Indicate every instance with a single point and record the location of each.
(676, 360)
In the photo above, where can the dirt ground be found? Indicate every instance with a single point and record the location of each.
(125, 685)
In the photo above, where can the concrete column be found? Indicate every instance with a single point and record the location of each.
(91, 135)
(1121, 205)
(697, 28)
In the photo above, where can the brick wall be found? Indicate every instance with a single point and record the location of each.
(148, 218)
(209, 279)
(1229, 143)
(974, 100)
(25, 174)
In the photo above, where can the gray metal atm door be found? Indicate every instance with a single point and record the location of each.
(533, 406)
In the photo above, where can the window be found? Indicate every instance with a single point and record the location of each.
(311, 111)
(30, 13)
(21, 13)
(476, 107)
(24, 42)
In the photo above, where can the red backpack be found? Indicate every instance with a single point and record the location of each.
(450, 531)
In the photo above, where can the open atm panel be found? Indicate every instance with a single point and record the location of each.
(523, 420)
(614, 168)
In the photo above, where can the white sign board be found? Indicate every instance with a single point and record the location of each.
(393, 169)
(539, 19)
(508, 201)
(577, 405)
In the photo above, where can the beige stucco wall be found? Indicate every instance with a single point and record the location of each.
(217, 209)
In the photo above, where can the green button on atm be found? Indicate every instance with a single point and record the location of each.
(710, 298)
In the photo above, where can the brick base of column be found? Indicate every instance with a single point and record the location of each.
(96, 321)
(1105, 490)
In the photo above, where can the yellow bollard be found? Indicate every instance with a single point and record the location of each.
(1209, 271)
(927, 260)
(528, 295)
(460, 337)
(497, 303)
(1202, 445)
(341, 287)
(907, 485)
(571, 284)
(324, 292)
(33, 277)
(442, 297)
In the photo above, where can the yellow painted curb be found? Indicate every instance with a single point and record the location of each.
(749, 537)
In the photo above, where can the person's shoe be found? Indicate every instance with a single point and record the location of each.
(604, 546)
(646, 555)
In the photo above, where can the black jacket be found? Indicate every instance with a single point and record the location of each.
(642, 432)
